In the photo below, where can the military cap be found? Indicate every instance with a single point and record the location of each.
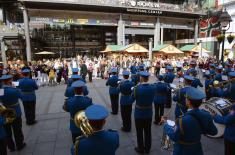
(125, 73)
(113, 70)
(231, 74)
(96, 112)
(219, 67)
(169, 67)
(78, 84)
(144, 74)
(188, 77)
(76, 77)
(195, 94)
(75, 70)
(160, 77)
(141, 66)
(5, 77)
(25, 71)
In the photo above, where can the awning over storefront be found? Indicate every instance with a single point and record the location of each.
(112, 48)
(167, 49)
(133, 48)
(193, 48)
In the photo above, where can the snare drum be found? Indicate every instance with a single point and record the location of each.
(219, 106)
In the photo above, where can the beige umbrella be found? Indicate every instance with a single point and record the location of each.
(45, 53)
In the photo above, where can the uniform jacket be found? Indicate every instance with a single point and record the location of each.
(230, 91)
(74, 105)
(112, 82)
(188, 130)
(216, 92)
(133, 69)
(100, 143)
(161, 91)
(196, 82)
(169, 77)
(143, 94)
(179, 97)
(28, 87)
(229, 122)
(10, 99)
(125, 89)
(218, 77)
(69, 92)
(2, 131)
(70, 81)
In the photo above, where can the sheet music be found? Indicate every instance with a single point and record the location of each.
(1, 92)
(181, 79)
(221, 103)
(203, 70)
(224, 77)
(15, 83)
(170, 122)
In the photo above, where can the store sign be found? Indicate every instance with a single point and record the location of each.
(145, 11)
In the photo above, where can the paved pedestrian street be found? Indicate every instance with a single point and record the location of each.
(51, 135)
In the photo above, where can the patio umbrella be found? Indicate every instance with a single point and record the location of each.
(45, 53)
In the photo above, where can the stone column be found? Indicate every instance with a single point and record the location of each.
(162, 33)
(27, 36)
(157, 32)
(4, 57)
(196, 31)
(121, 32)
(150, 49)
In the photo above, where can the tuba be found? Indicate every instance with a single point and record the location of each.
(82, 122)
(8, 113)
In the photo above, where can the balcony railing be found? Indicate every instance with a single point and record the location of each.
(190, 7)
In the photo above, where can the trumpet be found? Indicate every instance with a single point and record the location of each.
(8, 113)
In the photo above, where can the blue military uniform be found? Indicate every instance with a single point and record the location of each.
(187, 132)
(216, 92)
(169, 78)
(103, 142)
(10, 99)
(218, 76)
(143, 94)
(70, 80)
(160, 99)
(229, 134)
(3, 146)
(74, 105)
(112, 82)
(208, 82)
(69, 92)
(134, 77)
(230, 89)
(28, 87)
(125, 87)
(179, 97)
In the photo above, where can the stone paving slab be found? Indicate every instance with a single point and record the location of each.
(51, 135)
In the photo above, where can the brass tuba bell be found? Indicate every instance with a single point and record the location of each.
(82, 122)
(8, 113)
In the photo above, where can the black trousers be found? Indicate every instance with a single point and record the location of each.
(90, 76)
(74, 137)
(229, 147)
(126, 116)
(14, 128)
(3, 147)
(169, 100)
(29, 110)
(143, 131)
(159, 112)
(114, 102)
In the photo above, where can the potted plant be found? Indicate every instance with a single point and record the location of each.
(220, 38)
(230, 38)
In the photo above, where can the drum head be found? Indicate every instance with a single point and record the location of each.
(212, 109)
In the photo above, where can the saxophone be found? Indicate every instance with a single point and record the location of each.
(8, 113)
(82, 122)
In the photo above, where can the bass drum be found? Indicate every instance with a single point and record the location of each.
(219, 106)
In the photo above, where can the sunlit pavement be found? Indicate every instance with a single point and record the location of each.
(51, 135)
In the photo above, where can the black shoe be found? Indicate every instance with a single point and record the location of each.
(21, 147)
(139, 150)
(125, 130)
(156, 122)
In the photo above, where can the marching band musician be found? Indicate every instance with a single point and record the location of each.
(101, 142)
(143, 94)
(133, 70)
(229, 134)
(227, 68)
(216, 91)
(125, 101)
(3, 144)
(179, 97)
(218, 76)
(28, 87)
(169, 78)
(192, 65)
(70, 80)
(10, 99)
(212, 69)
(229, 91)
(69, 92)
(187, 132)
(112, 82)
(208, 82)
(161, 91)
(196, 82)
(76, 104)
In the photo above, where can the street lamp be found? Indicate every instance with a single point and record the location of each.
(224, 20)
